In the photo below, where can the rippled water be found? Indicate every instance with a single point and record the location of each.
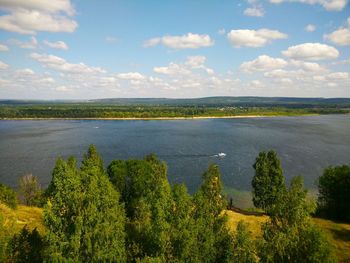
(306, 145)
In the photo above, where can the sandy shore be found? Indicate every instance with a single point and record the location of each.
(164, 118)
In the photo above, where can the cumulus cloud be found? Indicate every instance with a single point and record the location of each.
(60, 64)
(253, 38)
(263, 63)
(26, 71)
(131, 76)
(310, 28)
(311, 51)
(3, 65)
(32, 43)
(3, 47)
(341, 36)
(339, 75)
(172, 69)
(57, 44)
(256, 11)
(188, 41)
(329, 5)
(31, 16)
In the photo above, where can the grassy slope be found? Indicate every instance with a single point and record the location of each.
(16, 219)
(338, 233)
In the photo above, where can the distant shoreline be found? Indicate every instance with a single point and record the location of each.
(165, 118)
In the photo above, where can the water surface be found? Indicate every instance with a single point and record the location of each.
(306, 145)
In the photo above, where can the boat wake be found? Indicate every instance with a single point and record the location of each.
(220, 155)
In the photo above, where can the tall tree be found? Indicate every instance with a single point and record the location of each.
(146, 193)
(290, 236)
(213, 238)
(268, 181)
(84, 218)
(334, 194)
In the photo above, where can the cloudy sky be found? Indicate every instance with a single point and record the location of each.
(63, 49)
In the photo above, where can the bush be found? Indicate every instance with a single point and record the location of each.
(8, 196)
(29, 192)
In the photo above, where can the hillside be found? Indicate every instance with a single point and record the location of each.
(338, 233)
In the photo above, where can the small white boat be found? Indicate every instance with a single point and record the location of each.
(221, 154)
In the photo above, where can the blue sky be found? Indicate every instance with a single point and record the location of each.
(62, 49)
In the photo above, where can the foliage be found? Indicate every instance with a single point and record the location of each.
(84, 219)
(27, 246)
(146, 194)
(164, 110)
(213, 238)
(268, 181)
(29, 192)
(290, 235)
(8, 196)
(243, 245)
(334, 194)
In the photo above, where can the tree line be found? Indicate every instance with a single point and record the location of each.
(130, 213)
(149, 111)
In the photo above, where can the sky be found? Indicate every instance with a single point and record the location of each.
(89, 49)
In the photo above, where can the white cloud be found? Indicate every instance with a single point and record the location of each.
(26, 71)
(57, 44)
(330, 5)
(307, 66)
(339, 75)
(31, 44)
(341, 36)
(190, 41)
(172, 69)
(263, 63)
(131, 76)
(256, 11)
(29, 16)
(62, 88)
(253, 38)
(3, 65)
(3, 47)
(311, 51)
(310, 28)
(60, 64)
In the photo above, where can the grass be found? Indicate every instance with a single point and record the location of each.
(15, 219)
(338, 233)
(253, 222)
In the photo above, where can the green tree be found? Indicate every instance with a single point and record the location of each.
(214, 241)
(146, 193)
(183, 227)
(8, 196)
(26, 246)
(84, 218)
(290, 236)
(268, 181)
(334, 194)
(29, 192)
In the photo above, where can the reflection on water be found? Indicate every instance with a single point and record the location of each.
(306, 145)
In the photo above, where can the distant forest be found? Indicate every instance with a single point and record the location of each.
(172, 108)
